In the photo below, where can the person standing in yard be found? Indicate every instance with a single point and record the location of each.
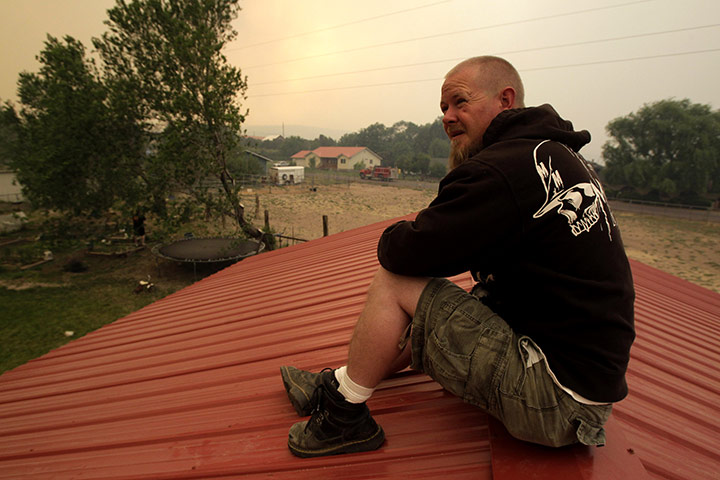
(139, 228)
(542, 341)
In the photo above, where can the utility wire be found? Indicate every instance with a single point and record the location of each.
(584, 64)
(335, 27)
(623, 60)
(351, 87)
(458, 32)
(525, 50)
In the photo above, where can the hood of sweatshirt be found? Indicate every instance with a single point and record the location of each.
(542, 123)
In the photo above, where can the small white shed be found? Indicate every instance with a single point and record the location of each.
(10, 189)
(287, 175)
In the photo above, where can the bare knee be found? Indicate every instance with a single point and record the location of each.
(400, 289)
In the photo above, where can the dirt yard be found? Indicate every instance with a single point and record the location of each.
(297, 211)
(687, 249)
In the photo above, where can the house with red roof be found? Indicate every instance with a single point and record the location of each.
(305, 158)
(337, 158)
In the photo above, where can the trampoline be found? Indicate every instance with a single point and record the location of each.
(213, 250)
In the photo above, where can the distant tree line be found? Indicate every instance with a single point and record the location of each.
(421, 149)
(666, 151)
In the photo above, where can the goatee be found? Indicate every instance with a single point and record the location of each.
(458, 155)
(462, 152)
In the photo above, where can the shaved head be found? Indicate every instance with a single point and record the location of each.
(494, 74)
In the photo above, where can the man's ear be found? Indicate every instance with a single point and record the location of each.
(507, 98)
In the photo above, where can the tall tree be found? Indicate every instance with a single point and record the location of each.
(672, 146)
(9, 134)
(402, 144)
(377, 137)
(322, 141)
(167, 57)
(67, 152)
(291, 145)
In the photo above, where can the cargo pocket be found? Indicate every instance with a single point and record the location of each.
(588, 421)
(449, 348)
(527, 377)
(590, 433)
(529, 400)
(488, 365)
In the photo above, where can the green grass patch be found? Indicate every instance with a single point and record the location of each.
(34, 320)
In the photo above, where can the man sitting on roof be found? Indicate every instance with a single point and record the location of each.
(542, 342)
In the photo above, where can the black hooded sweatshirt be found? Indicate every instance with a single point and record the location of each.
(529, 212)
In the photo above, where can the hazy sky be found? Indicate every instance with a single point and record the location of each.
(340, 66)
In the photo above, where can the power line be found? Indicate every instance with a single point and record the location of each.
(525, 50)
(335, 27)
(351, 87)
(623, 60)
(584, 64)
(458, 32)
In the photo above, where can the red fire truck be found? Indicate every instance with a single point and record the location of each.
(386, 174)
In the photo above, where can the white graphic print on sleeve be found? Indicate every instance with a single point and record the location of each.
(582, 204)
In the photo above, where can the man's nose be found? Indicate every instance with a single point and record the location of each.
(449, 116)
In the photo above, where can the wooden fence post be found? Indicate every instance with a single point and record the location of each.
(325, 225)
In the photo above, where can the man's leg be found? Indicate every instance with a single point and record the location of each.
(390, 306)
(338, 425)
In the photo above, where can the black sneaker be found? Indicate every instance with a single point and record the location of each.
(336, 426)
(300, 385)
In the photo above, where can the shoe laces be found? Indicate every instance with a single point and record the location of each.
(318, 401)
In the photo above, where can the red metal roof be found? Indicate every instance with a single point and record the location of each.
(335, 152)
(189, 387)
(301, 154)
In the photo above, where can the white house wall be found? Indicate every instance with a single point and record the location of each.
(365, 156)
(10, 190)
(305, 162)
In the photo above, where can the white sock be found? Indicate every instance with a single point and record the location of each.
(352, 392)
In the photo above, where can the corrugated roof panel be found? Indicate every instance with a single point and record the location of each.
(513, 460)
(672, 414)
(189, 386)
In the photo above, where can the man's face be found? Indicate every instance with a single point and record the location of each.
(467, 111)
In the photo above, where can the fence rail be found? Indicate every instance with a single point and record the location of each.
(686, 212)
(311, 178)
(11, 197)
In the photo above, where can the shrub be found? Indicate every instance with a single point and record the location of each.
(74, 265)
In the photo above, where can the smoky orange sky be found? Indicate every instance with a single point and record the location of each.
(331, 67)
